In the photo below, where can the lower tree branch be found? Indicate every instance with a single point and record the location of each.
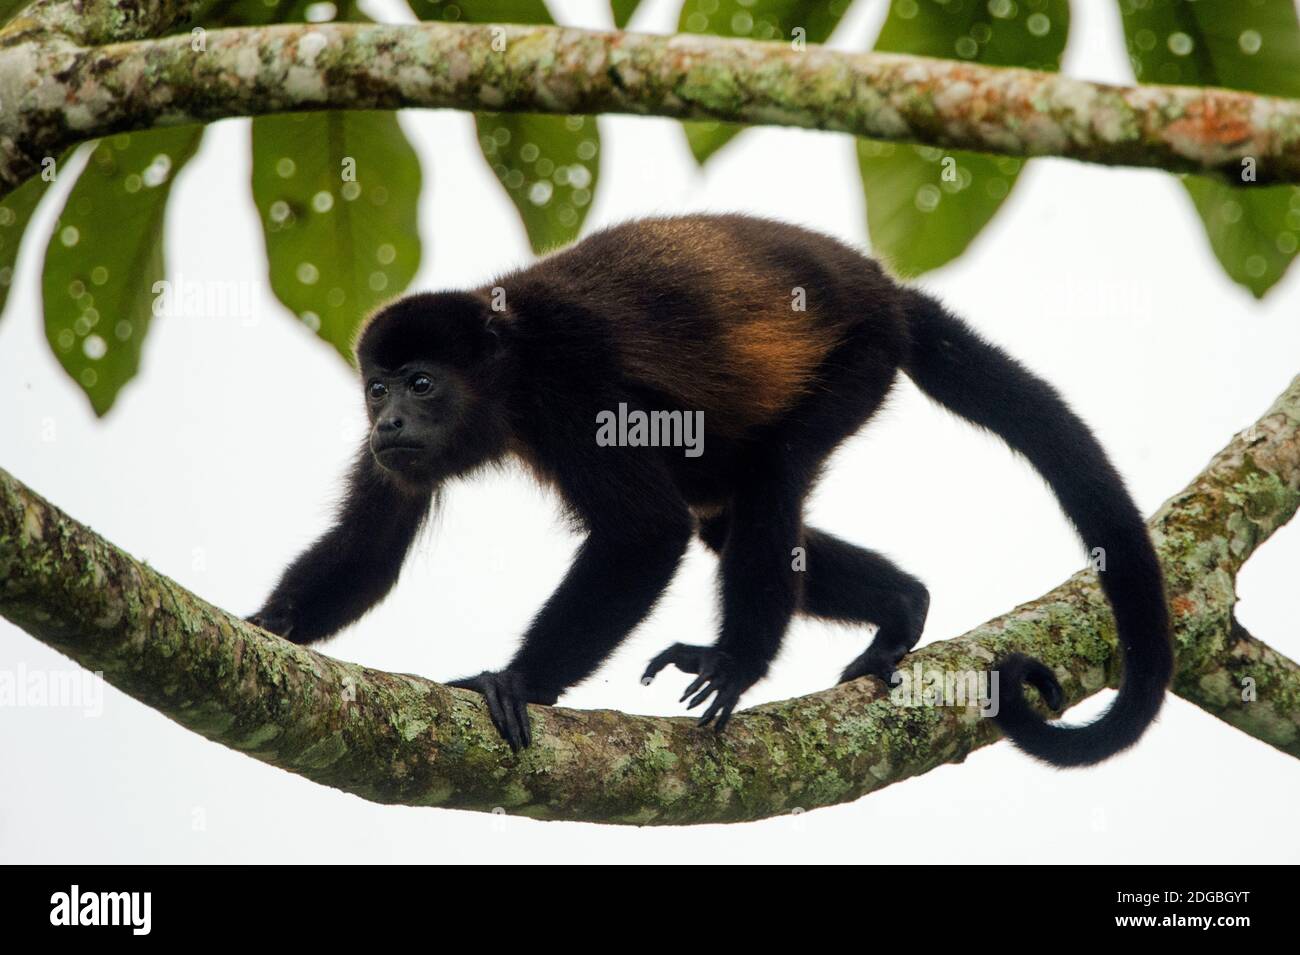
(1250, 685)
(396, 738)
(57, 94)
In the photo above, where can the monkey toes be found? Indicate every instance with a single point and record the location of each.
(872, 662)
(273, 618)
(507, 703)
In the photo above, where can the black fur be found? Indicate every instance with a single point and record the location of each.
(354, 565)
(696, 314)
(977, 381)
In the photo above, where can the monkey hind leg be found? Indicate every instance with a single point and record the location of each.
(851, 584)
(854, 585)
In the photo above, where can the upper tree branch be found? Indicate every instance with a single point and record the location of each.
(57, 93)
(397, 738)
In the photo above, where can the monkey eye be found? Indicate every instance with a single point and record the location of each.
(377, 390)
(421, 384)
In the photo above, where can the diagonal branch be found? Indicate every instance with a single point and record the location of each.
(57, 93)
(401, 739)
(1246, 670)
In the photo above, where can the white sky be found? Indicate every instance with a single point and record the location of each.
(220, 462)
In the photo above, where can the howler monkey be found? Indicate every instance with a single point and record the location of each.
(786, 341)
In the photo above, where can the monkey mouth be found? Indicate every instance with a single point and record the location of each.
(397, 457)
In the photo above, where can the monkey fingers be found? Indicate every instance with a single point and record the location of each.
(688, 659)
(716, 677)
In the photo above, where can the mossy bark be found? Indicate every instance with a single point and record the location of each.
(396, 738)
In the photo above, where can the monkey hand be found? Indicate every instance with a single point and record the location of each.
(276, 616)
(507, 697)
(718, 672)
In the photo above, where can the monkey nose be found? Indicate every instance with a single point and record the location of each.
(390, 425)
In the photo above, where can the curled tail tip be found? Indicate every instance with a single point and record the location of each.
(976, 380)
(1019, 670)
(1069, 746)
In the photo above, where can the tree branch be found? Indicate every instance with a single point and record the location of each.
(93, 22)
(401, 739)
(57, 93)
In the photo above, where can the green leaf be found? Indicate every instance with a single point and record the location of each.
(483, 11)
(15, 213)
(239, 13)
(1028, 33)
(338, 194)
(106, 254)
(548, 165)
(926, 205)
(623, 10)
(753, 20)
(1252, 46)
(1253, 232)
(1249, 45)
(9, 7)
(244, 13)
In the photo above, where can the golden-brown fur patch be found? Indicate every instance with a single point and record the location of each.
(763, 354)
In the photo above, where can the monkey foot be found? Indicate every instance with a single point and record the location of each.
(507, 704)
(882, 665)
(717, 673)
(276, 617)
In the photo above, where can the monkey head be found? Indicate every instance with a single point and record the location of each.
(433, 367)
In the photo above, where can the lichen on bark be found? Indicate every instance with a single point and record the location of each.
(62, 82)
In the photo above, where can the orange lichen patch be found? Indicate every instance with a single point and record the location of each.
(1183, 606)
(1213, 121)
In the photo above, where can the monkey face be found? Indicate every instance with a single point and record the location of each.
(435, 370)
(416, 415)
